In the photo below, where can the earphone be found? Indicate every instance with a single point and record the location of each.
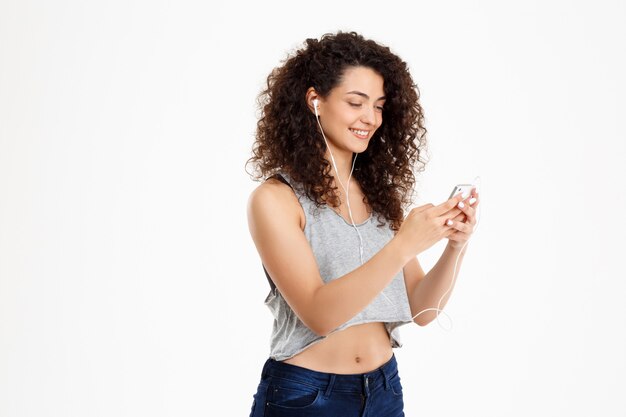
(315, 106)
(315, 101)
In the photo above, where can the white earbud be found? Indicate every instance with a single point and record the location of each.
(315, 106)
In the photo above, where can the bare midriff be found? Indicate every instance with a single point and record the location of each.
(357, 349)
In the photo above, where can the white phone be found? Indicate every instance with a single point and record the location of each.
(466, 189)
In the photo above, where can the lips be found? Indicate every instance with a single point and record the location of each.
(361, 134)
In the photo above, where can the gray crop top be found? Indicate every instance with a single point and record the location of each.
(335, 245)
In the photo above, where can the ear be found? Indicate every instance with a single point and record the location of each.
(311, 95)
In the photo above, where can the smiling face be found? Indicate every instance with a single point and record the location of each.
(352, 111)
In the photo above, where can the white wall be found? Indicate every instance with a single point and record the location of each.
(129, 284)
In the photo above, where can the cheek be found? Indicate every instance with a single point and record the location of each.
(344, 121)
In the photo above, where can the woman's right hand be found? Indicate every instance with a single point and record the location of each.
(426, 225)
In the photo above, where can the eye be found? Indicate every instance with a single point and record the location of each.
(381, 108)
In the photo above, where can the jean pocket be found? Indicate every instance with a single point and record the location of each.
(396, 384)
(288, 394)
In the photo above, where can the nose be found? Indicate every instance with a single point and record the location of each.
(369, 116)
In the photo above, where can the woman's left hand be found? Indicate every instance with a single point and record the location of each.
(464, 222)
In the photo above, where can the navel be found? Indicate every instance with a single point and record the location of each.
(357, 359)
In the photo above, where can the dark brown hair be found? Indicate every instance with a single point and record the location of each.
(288, 138)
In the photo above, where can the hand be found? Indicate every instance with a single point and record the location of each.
(464, 222)
(426, 225)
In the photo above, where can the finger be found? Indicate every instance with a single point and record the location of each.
(471, 202)
(465, 228)
(461, 217)
(455, 224)
(466, 207)
(474, 208)
(448, 205)
(456, 212)
(424, 207)
(474, 195)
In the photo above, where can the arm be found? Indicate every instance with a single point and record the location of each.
(274, 223)
(425, 292)
(343, 298)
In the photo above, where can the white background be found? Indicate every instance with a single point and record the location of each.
(130, 286)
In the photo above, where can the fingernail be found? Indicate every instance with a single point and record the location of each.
(449, 222)
(472, 200)
(461, 205)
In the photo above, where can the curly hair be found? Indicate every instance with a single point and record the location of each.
(287, 137)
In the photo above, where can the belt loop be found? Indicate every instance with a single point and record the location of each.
(385, 378)
(329, 388)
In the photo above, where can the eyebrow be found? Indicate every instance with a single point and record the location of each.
(364, 95)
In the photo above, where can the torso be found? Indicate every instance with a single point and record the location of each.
(357, 349)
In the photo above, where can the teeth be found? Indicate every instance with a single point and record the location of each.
(360, 132)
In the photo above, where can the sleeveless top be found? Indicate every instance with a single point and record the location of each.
(335, 244)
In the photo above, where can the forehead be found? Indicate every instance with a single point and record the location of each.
(362, 79)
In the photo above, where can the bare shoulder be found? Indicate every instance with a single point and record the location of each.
(277, 198)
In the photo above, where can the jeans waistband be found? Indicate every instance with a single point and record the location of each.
(337, 382)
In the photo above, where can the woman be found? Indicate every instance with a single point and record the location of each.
(339, 255)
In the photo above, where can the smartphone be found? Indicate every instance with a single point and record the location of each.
(466, 189)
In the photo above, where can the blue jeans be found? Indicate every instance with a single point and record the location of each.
(288, 390)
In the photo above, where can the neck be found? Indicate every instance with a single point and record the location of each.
(343, 162)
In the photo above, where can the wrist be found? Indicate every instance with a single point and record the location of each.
(456, 247)
(398, 248)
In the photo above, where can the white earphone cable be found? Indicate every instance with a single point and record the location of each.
(361, 240)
